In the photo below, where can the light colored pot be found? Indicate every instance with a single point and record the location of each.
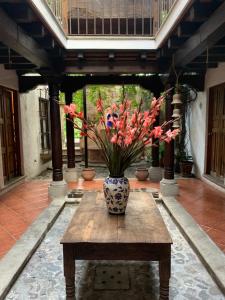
(141, 174)
(116, 191)
(88, 174)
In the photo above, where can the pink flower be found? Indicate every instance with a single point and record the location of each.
(114, 107)
(154, 101)
(158, 132)
(114, 139)
(121, 106)
(133, 118)
(128, 140)
(70, 109)
(66, 109)
(128, 104)
(171, 135)
(99, 105)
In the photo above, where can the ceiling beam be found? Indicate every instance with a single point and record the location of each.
(15, 38)
(205, 37)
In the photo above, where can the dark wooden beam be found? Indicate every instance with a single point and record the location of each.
(175, 42)
(15, 38)
(186, 29)
(202, 65)
(35, 29)
(20, 12)
(117, 68)
(207, 35)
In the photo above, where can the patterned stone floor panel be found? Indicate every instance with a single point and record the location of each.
(43, 277)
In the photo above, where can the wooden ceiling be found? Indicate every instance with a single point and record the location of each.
(191, 46)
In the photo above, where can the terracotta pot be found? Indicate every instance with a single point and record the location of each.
(116, 191)
(88, 174)
(141, 174)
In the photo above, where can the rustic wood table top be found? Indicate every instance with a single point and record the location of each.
(142, 222)
(140, 234)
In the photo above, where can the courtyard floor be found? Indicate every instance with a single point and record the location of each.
(24, 203)
(42, 278)
(190, 279)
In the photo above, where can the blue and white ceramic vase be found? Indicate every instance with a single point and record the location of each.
(116, 191)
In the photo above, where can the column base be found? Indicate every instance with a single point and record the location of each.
(70, 175)
(155, 174)
(57, 189)
(169, 187)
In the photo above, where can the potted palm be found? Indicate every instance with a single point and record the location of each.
(124, 134)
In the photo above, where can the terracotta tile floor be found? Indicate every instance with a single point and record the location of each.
(21, 206)
(207, 207)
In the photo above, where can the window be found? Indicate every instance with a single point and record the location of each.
(45, 131)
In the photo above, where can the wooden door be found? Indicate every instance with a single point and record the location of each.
(216, 134)
(9, 134)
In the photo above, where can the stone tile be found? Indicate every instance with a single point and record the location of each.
(189, 279)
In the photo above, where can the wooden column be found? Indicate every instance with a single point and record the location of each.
(55, 131)
(85, 117)
(70, 134)
(169, 147)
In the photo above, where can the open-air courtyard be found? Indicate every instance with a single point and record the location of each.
(112, 149)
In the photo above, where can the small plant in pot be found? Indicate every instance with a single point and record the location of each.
(125, 135)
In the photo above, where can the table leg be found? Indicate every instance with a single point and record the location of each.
(69, 272)
(164, 275)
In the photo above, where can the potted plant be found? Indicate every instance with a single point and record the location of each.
(186, 164)
(126, 132)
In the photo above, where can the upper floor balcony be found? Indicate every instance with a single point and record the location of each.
(111, 17)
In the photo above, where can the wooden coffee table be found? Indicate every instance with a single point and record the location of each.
(139, 235)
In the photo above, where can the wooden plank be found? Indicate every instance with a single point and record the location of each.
(141, 224)
(15, 38)
(206, 36)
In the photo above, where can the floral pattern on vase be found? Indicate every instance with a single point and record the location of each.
(116, 191)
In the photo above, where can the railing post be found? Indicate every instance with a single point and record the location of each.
(65, 15)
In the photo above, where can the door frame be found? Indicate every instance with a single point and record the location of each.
(16, 121)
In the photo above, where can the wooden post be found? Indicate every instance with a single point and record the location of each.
(85, 117)
(70, 133)
(55, 131)
(169, 147)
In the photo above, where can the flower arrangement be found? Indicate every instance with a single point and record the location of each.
(122, 133)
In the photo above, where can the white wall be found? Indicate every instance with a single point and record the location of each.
(199, 119)
(198, 127)
(31, 137)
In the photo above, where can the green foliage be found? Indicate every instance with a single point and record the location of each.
(108, 93)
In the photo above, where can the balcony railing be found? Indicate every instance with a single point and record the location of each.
(111, 17)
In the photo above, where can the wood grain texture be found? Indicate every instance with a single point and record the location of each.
(140, 234)
(141, 224)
